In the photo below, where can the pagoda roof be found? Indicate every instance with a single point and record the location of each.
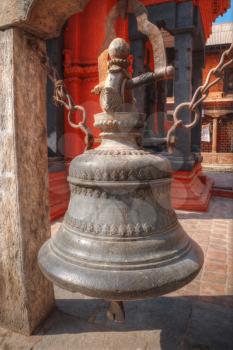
(209, 10)
(221, 34)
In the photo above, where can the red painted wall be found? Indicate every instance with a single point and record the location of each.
(84, 37)
(210, 10)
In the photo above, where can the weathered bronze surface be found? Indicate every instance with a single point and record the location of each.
(116, 90)
(120, 238)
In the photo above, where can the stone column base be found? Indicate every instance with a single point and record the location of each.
(191, 190)
(221, 192)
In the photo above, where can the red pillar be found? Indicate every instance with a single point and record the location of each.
(191, 190)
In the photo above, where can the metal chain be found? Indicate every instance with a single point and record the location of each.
(202, 92)
(61, 95)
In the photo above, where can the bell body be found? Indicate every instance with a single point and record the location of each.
(120, 238)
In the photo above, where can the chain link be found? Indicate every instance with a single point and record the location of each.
(61, 95)
(214, 76)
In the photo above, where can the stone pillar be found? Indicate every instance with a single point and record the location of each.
(190, 189)
(215, 135)
(137, 47)
(183, 159)
(26, 296)
(198, 63)
(161, 106)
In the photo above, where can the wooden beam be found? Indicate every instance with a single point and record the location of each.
(215, 135)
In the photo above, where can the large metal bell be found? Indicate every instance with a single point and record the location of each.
(120, 238)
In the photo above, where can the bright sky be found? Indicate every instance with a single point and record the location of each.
(227, 17)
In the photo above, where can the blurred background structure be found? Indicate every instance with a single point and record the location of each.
(193, 46)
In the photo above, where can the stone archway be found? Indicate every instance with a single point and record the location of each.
(26, 297)
(41, 17)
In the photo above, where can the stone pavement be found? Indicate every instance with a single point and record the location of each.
(197, 317)
(221, 179)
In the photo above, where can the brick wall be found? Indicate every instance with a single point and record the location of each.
(217, 100)
(217, 158)
(206, 146)
(211, 61)
(225, 135)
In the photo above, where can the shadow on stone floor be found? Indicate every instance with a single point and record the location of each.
(220, 208)
(167, 323)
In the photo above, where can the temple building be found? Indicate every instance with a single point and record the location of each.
(217, 122)
(186, 26)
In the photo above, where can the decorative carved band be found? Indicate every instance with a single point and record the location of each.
(100, 193)
(162, 189)
(113, 124)
(81, 71)
(117, 152)
(143, 174)
(129, 230)
(157, 197)
(121, 230)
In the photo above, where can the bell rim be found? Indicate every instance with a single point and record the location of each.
(114, 285)
(119, 184)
